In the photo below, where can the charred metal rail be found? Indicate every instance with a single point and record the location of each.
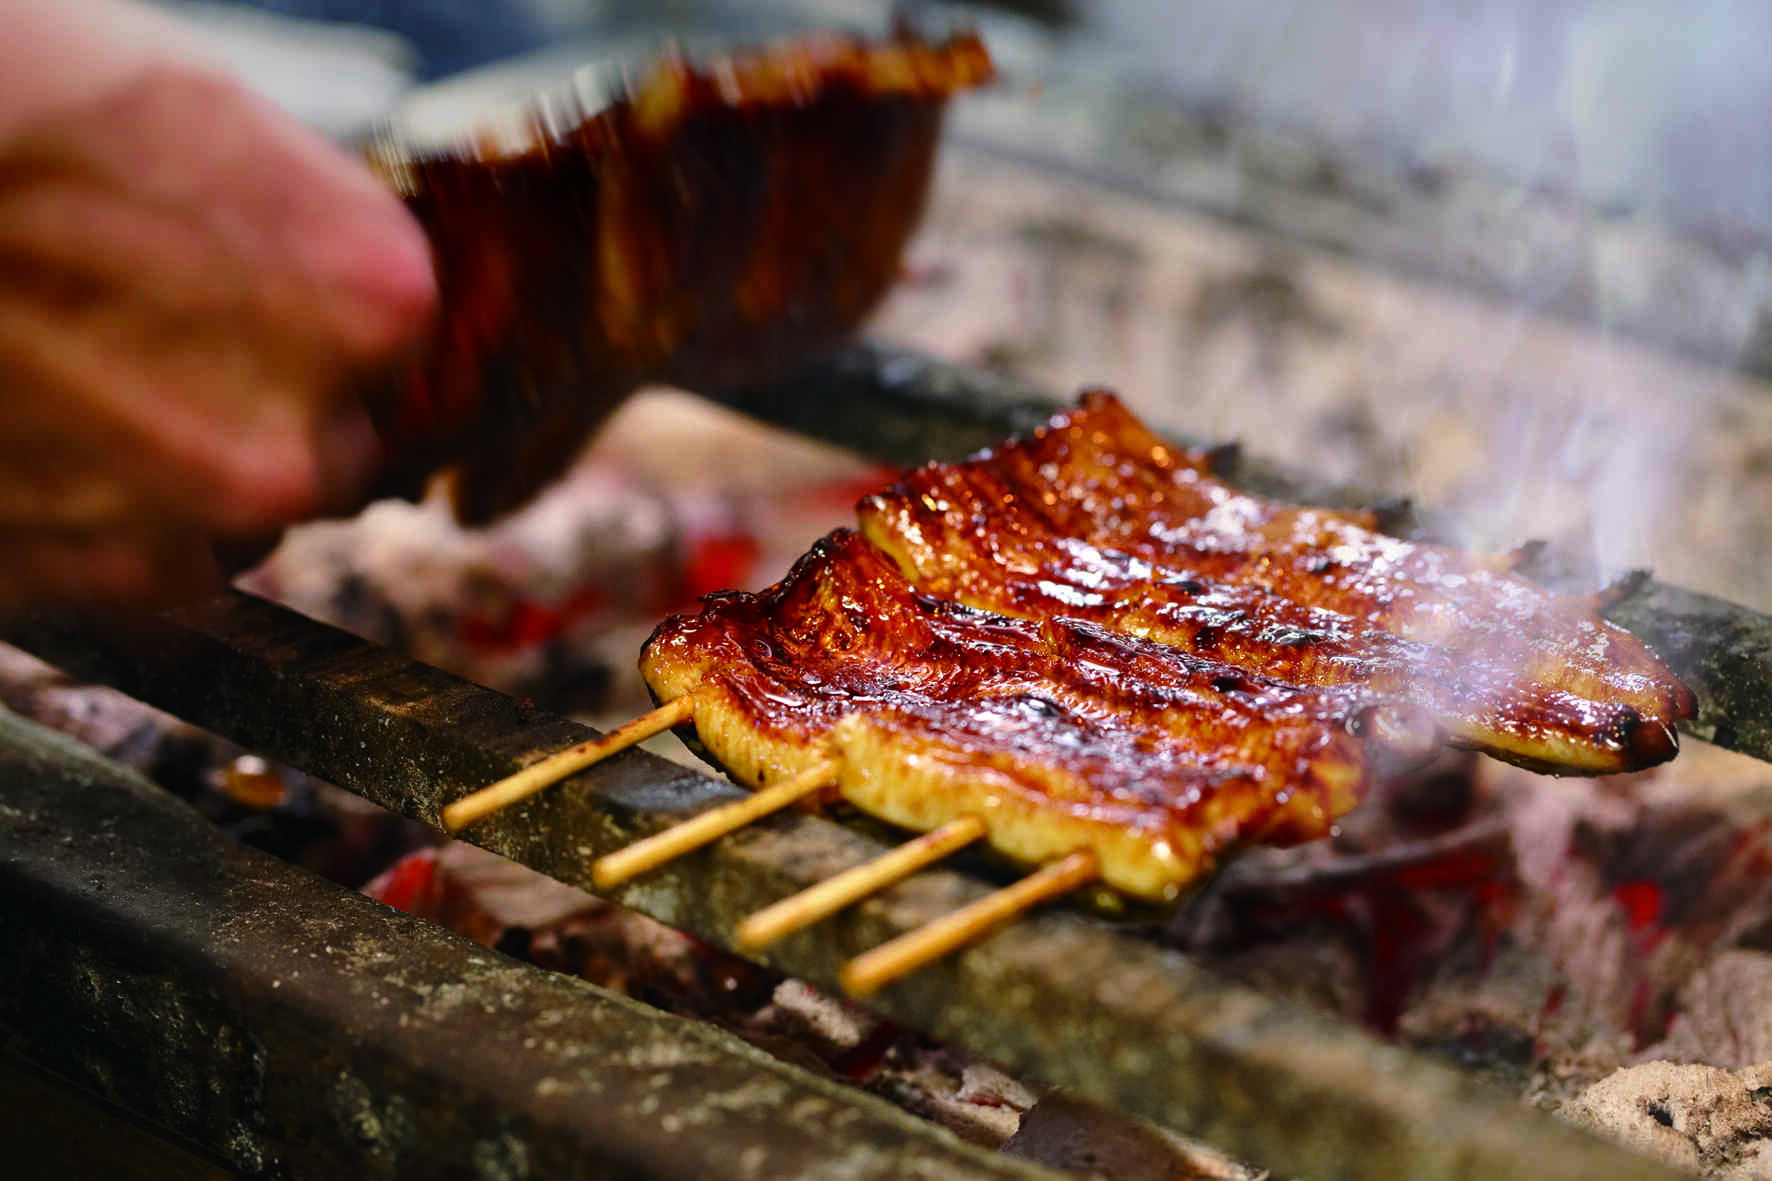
(903, 407)
(1059, 996)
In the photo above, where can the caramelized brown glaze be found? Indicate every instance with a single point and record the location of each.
(1093, 517)
(1058, 734)
(718, 223)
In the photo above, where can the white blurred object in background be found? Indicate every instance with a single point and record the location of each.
(338, 79)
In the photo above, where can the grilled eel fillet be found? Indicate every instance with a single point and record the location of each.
(717, 224)
(1094, 518)
(1058, 734)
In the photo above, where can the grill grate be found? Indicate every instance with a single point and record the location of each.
(1059, 997)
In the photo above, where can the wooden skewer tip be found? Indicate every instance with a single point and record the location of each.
(871, 971)
(801, 910)
(555, 767)
(612, 870)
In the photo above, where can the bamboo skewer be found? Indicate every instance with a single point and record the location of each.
(869, 972)
(556, 767)
(616, 868)
(866, 973)
(817, 902)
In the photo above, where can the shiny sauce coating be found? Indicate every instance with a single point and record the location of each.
(1093, 517)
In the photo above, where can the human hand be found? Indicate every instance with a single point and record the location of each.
(195, 293)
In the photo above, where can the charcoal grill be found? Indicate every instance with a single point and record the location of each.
(285, 1025)
(280, 1026)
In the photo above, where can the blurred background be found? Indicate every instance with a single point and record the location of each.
(1510, 258)
(1652, 107)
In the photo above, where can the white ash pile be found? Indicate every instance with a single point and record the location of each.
(675, 499)
(1717, 1123)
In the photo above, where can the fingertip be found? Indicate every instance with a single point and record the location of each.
(384, 270)
(262, 488)
(361, 248)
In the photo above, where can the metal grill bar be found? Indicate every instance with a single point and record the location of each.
(298, 1029)
(1058, 996)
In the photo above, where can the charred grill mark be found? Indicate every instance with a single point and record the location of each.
(1619, 729)
(1652, 742)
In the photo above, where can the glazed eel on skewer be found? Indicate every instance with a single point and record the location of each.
(1057, 734)
(1084, 640)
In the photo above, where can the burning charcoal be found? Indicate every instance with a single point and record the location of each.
(986, 1085)
(738, 982)
(521, 913)
(532, 917)
(412, 884)
(850, 1043)
(253, 783)
(922, 1089)
(787, 1050)
(1724, 1013)
(515, 942)
(171, 753)
(258, 803)
(1435, 799)
(696, 979)
(1403, 907)
(1517, 923)
(363, 838)
(835, 1021)
(510, 607)
(285, 813)
(512, 895)
(482, 896)
(865, 1059)
(1630, 900)
(1483, 1044)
